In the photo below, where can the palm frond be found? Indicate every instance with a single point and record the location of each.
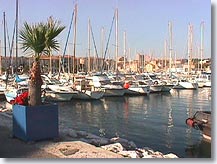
(41, 37)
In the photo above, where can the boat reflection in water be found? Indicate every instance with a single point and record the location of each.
(155, 120)
(201, 149)
(169, 129)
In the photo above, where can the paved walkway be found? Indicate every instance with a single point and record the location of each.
(15, 148)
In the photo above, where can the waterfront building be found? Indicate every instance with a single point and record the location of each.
(81, 64)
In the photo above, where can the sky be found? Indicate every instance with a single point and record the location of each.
(144, 21)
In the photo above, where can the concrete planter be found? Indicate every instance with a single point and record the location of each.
(31, 123)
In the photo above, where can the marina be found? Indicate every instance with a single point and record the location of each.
(144, 86)
(156, 121)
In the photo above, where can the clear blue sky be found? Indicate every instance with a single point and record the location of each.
(145, 22)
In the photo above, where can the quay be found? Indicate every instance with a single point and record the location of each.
(69, 145)
(15, 148)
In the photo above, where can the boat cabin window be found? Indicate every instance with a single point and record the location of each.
(142, 83)
(105, 82)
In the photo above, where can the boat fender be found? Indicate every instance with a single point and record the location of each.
(190, 122)
(126, 85)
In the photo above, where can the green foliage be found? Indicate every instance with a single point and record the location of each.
(41, 37)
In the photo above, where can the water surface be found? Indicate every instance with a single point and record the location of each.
(156, 121)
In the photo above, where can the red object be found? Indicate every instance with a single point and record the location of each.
(190, 122)
(22, 99)
(126, 85)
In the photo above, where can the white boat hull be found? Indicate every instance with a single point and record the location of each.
(89, 95)
(155, 88)
(166, 88)
(204, 80)
(113, 92)
(186, 85)
(137, 90)
(59, 93)
(59, 96)
(204, 84)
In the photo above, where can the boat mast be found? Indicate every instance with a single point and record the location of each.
(89, 45)
(4, 40)
(201, 44)
(107, 44)
(165, 54)
(102, 41)
(59, 63)
(129, 56)
(74, 39)
(4, 33)
(50, 54)
(16, 36)
(116, 39)
(170, 45)
(175, 59)
(125, 51)
(144, 62)
(198, 57)
(190, 43)
(95, 57)
(50, 59)
(62, 61)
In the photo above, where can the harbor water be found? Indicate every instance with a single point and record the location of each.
(156, 121)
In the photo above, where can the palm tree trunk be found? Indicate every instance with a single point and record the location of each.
(35, 83)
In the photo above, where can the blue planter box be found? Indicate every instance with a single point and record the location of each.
(31, 123)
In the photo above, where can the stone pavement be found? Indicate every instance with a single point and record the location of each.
(15, 148)
(70, 144)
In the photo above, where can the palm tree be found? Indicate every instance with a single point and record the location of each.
(41, 39)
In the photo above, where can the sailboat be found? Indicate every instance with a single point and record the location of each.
(135, 85)
(13, 91)
(188, 82)
(4, 77)
(56, 91)
(85, 88)
(102, 81)
(204, 79)
(84, 84)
